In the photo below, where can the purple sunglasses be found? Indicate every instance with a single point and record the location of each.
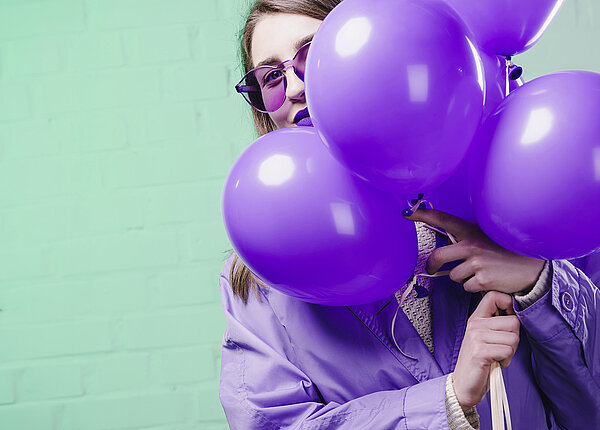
(264, 87)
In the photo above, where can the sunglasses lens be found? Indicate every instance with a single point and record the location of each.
(300, 61)
(264, 88)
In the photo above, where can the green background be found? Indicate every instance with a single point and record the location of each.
(118, 126)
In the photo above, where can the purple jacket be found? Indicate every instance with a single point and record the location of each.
(291, 364)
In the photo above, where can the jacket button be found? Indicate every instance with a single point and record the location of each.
(566, 301)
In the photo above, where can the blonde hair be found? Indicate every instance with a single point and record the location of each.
(242, 278)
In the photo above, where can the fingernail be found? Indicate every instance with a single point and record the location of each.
(406, 212)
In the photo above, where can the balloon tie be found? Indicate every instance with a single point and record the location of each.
(513, 72)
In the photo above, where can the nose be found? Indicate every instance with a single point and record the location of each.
(295, 86)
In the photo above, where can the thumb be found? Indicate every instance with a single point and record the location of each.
(493, 301)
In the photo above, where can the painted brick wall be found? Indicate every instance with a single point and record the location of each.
(117, 128)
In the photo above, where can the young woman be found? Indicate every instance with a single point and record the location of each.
(291, 364)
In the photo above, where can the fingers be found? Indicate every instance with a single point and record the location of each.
(501, 353)
(491, 303)
(452, 224)
(489, 345)
(508, 323)
(462, 272)
(446, 254)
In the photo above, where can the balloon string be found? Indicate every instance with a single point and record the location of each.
(507, 88)
(394, 337)
(413, 208)
(498, 398)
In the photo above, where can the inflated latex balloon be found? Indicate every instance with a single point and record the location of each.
(536, 188)
(454, 194)
(395, 88)
(309, 228)
(507, 27)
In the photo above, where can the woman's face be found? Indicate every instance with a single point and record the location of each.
(276, 39)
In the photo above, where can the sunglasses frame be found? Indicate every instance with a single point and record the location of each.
(243, 89)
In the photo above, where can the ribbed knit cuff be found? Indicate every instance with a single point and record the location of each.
(457, 419)
(541, 287)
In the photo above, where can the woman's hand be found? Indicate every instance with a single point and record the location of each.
(488, 338)
(486, 266)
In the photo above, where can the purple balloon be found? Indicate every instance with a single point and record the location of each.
(395, 88)
(311, 229)
(454, 194)
(507, 27)
(537, 177)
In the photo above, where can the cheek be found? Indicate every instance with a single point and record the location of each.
(279, 117)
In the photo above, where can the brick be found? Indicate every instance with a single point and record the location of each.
(37, 137)
(16, 309)
(131, 290)
(29, 417)
(217, 41)
(22, 264)
(129, 13)
(49, 17)
(198, 82)
(182, 163)
(171, 121)
(15, 101)
(76, 300)
(160, 330)
(7, 390)
(98, 131)
(203, 241)
(231, 125)
(183, 365)
(117, 373)
(185, 203)
(53, 340)
(97, 212)
(117, 88)
(64, 218)
(210, 405)
(34, 224)
(53, 95)
(125, 411)
(50, 382)
(183, 288)
(134, 250)
(95, 51)
(161, 45)
(42, 178)
(29, 57)
(235, 11)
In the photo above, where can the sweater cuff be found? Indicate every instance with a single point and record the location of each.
(457, 419)
(541, 287)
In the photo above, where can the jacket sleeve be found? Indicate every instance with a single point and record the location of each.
(563, 329)
(262, 388)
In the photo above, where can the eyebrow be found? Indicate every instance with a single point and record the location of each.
(273, 61)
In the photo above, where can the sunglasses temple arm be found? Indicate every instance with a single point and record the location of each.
(246, 89)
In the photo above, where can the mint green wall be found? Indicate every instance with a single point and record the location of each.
(117, 128)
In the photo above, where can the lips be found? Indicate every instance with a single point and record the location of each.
(306, 122)
(302, 114)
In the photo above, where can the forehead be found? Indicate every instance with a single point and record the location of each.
(276, 35)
